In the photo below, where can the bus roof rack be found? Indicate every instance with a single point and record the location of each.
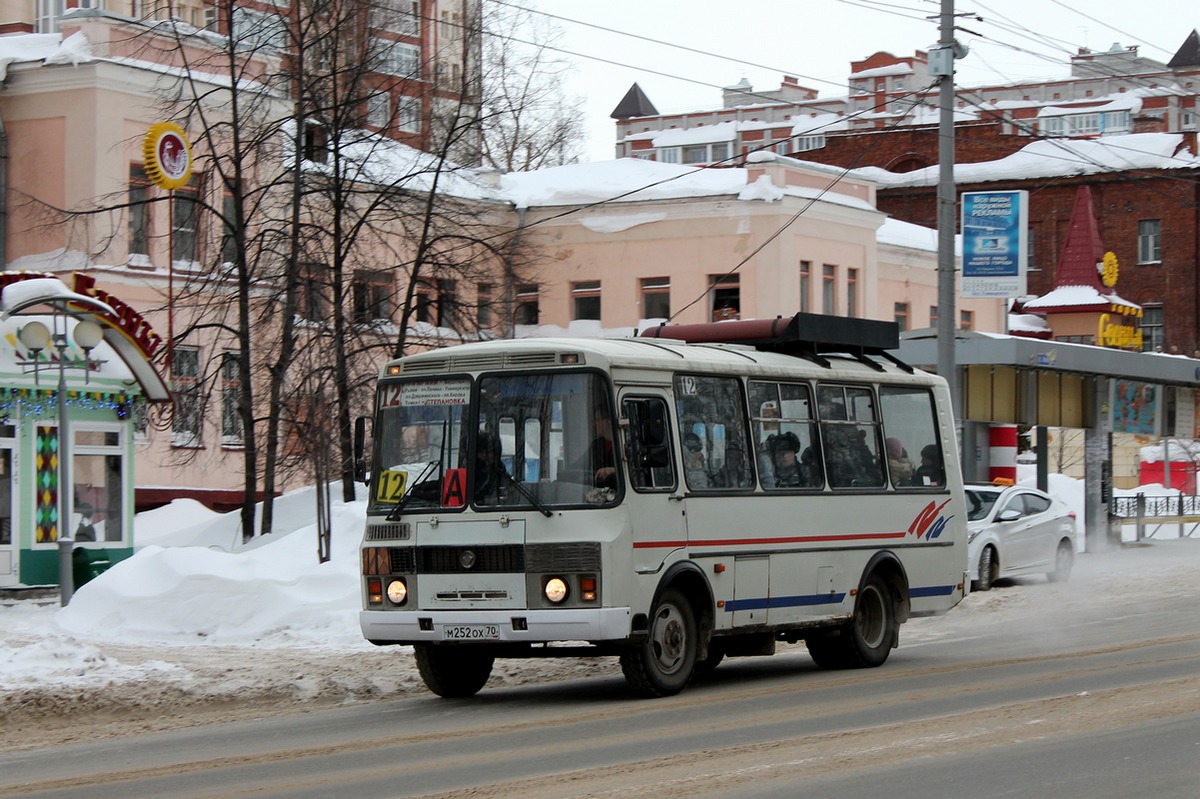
(805, 335)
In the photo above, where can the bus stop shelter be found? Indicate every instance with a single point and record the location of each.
(1026, 381)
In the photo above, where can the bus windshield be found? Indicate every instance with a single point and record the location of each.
(530, 440)
(544, 439)
(417, 435)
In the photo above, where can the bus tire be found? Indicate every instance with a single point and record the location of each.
(452, 672)
(664, 663)
(868, 639)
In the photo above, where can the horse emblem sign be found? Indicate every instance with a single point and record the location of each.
(168, 158)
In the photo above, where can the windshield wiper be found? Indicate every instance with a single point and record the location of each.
(525, 492)
(394, 513)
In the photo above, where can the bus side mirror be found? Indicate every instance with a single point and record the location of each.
(360, 438)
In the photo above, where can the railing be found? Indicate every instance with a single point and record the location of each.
(1152, 513)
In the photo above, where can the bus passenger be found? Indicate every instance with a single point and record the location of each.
(784, 448)
(930, 472)
(693, 462)
(899, 466)
(489, 470)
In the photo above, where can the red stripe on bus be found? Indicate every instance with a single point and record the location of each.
(724, 542)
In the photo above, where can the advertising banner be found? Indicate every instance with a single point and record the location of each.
(995, 243)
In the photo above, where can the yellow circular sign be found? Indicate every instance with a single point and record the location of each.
(167, 155)
(1109, 272)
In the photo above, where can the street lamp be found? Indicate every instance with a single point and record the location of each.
(37, 337)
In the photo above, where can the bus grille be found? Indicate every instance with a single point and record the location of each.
(401, 531)
(582, 557)
(496, 559)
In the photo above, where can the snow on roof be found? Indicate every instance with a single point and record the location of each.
(1117, 102)
(880, 72)
(1027, 323)
(49, 48)
(628, 179)
(905, 234)
(1076, 296)
(1054, 158)
(675, 137)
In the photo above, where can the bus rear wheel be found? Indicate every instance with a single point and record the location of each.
(664, 663)
(868, 639)
(452, 672)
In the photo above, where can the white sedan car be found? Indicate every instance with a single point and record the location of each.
(1015, 531)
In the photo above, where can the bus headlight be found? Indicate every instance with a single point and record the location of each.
(556, 590)
(397, 592)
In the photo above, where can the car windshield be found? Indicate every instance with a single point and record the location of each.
(980, 502)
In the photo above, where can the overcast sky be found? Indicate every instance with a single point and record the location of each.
(816, 40)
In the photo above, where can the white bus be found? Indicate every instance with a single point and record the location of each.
(664, 502)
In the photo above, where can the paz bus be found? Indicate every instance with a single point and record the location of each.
(671, 499)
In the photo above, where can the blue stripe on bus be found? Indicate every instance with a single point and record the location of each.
(783, 602)
(766, 603)
(933, 590)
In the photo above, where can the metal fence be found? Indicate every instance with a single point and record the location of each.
(1152, 513)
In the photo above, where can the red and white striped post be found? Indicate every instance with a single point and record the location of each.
(1002, 452)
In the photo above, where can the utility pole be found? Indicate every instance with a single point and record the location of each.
(942, 66)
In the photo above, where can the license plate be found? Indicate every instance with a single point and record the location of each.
(470, 632)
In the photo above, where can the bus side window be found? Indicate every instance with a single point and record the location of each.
(712, 432)
(787, 451)
(910, 425)
(648, 444)
(850, 437)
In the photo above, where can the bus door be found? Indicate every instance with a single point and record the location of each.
(655, 504)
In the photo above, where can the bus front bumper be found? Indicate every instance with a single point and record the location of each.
(481, 626)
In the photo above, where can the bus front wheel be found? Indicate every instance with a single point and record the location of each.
(868, 639)
(664, 663)
(452, 671)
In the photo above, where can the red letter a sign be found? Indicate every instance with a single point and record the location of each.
(454, 488)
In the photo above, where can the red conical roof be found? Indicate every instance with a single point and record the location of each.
(1084, 249)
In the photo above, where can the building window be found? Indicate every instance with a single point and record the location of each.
(403, 18)
(423, 302)
(812, 141)
(806, 286)
(379, 110)
(585, 297)
(829, 288)
(372, 294)
(228, 239)
(526, 312)
(231, 393)
(316, 144)
(933, 316)
(483, 305)
(1152, 328)
(408, 115)
(967, 320)
(1150, 241)
(139, 217)
(901, 315)
(97, 484)
(397, 59)
(851, 292)
(185, 380)
(668, 155)
(258, 30)
(311, 304)
(656, 298)
(726, 297)
(185, 221)
(447, 304)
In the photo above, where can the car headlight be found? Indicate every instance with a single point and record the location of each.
(556, 590)
(397, 592)
(973, 534)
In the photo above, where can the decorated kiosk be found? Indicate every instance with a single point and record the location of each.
(76, 373)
